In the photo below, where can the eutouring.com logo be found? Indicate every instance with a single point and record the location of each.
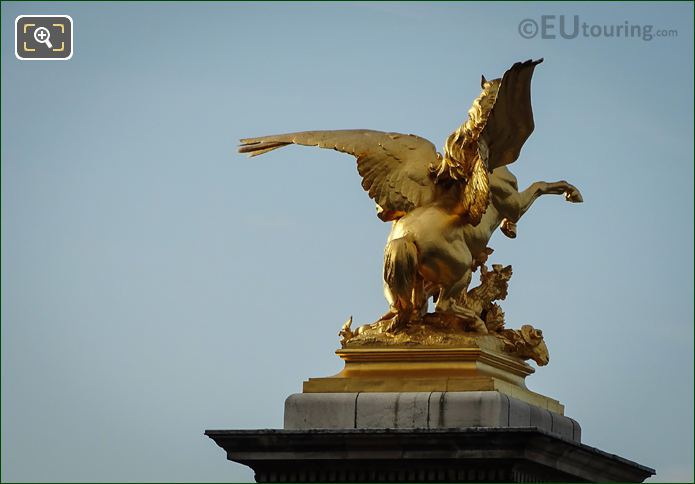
(570, 27)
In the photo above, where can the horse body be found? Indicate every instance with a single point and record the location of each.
(433, 250)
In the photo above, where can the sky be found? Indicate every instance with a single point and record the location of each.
(155, 283)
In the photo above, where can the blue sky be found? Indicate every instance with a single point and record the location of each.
(156, 284)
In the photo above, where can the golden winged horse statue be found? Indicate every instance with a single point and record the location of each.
(444, 208)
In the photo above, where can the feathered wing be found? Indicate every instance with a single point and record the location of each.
(510, 121)
(395, 168)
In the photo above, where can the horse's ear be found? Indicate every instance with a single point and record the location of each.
(482, 82)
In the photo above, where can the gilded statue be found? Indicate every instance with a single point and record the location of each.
(444, 208)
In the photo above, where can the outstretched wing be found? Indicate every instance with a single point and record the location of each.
(510, 122)
(394, 167)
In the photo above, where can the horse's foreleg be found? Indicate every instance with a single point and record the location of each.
(531, 194)
(519, 205)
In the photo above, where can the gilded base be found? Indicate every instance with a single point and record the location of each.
(434, 330)
(477, 367)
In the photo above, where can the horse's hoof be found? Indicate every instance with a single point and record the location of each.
(395, 326)
(508, 228)
(574, 196)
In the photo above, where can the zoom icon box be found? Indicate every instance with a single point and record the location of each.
(43, 37)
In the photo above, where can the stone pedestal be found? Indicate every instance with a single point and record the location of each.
(422, 410)
(426, 415)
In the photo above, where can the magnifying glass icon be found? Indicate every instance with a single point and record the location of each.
(43, 36)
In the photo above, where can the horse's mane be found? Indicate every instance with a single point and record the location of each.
(462, 160)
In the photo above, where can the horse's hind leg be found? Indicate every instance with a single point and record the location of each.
(420, 297)
(398, 303)
(400, 280)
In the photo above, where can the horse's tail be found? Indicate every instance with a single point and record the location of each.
(400, 268)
